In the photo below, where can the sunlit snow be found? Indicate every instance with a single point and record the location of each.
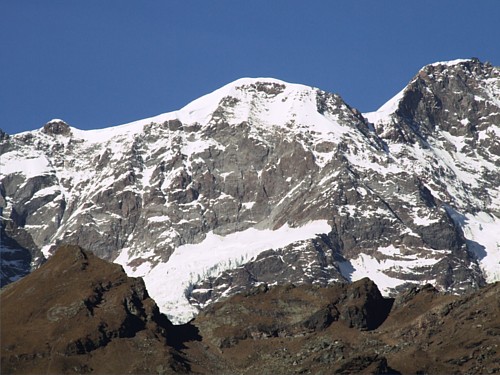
(451, 62)
(28, 165)
(365, 265)
(168, 283)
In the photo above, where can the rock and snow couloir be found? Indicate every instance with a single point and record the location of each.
(264, 181)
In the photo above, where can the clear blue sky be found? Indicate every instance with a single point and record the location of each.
(98, 63)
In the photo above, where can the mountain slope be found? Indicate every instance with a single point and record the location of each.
(349, 329)
(449, 118)
(80, 314)
(267, 181)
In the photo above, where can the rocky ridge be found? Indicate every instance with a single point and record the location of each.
(349, 328)
(95, 319)
(80, 314)
(293, 185)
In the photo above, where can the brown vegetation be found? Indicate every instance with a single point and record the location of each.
(78, 314)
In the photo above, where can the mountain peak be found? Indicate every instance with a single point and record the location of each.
(259, 83)
(56, 120)
(455, 62)
(246, 92)
(268, 103)
(246, 81)
(471, 68)
(56, 127)
(450, 79)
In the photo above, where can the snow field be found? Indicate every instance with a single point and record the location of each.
(169, 283)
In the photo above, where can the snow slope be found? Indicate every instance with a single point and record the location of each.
(169, 283)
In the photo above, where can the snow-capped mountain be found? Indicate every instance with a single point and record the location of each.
(267, 181)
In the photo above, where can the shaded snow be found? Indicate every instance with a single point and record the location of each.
(482, 233)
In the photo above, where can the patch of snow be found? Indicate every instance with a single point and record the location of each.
(158, 219)
(367, 266)
(28, 165)
(169, 283)
(362, 191)
(248, 205)
(362, 162)
(390, 250)
(422, 217)
(47, 191)
(383, 113)
(45, 250)
(482, 233)
(424, 221)
(147, 175)
(451, 62)
(197, 146)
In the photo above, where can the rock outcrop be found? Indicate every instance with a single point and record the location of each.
(81, 314)
(349, 329)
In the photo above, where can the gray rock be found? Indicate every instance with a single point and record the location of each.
(172, 182)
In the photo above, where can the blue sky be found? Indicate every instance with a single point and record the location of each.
(100, 63)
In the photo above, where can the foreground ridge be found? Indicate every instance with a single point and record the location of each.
(79, 314)
(97, 320)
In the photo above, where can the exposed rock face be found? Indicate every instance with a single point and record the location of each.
(16, 262)
(56, 127)
(291, 310)
(454, 108)
(407, 195)
(311, 265)
(80, 314)
(445, 334)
